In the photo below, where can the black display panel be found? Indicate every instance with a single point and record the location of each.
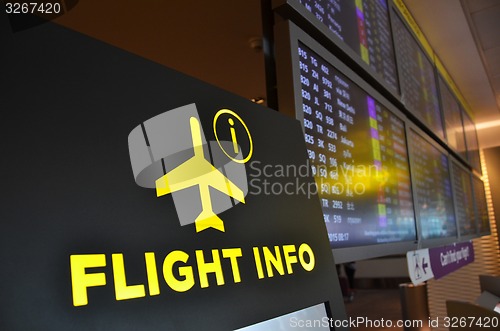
(357, 147)
(357, 150)
(432, 188)
(417, 79)
(363, 25)
(74, 220)
(464, 201)
(482, 217)
(452, 120)
(472, 142)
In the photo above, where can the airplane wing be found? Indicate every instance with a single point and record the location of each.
(185, 175)
(221, 183)
(196, 171)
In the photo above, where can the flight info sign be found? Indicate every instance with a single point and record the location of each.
(138, 198)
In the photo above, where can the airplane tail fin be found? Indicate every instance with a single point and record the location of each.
(207, 219)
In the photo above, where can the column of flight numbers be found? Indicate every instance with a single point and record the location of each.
(422, 175)
(334, 8)
(444, 206)
(406, 48)
(345, 166)
(433, 190)
(481, 205)
(380, 49)
(395, 175)
(463, 196)
(404, 195)
(325, 12)
(319, 96)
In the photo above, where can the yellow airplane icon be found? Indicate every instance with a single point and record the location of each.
(198, 171)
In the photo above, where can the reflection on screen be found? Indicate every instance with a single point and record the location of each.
(357, 149)
(434, 202)
(312, 318)
(452, 119)
(462, 189)
(482, 217)
(418, 83)
(364, 26)
(472, 143)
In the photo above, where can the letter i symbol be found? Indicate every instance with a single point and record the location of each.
(233, 135)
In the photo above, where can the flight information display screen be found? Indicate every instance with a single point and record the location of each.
(472, 142)
(357, 150)
(363, 25)
(417, 79)
(431, 180)
(452, 120)
(482, 217)
(464, 200)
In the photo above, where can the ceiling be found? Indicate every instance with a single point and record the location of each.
(465, 35)
(484, 18)
(205, 39)
(210, 40)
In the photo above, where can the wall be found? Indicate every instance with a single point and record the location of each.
(492, 159)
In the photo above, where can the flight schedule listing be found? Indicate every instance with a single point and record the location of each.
(472, 142)
(482, 217)
(357, 151)
(452, 119)
(364, 26)
(434, 199)
(462, 188)
(418, 82)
